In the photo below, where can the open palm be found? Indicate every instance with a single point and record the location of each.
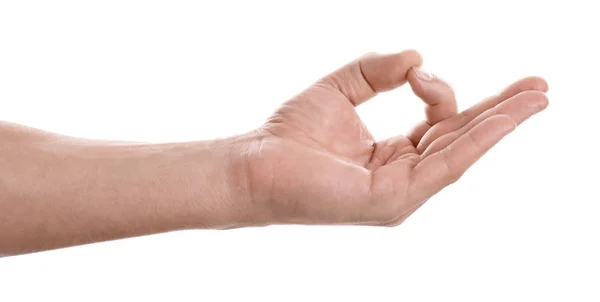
(316, 162)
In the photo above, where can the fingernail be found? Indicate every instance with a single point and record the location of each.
(422, 74)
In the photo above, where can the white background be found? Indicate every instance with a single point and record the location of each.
(521, 225)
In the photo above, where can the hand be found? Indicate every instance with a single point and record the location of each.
(315, 162)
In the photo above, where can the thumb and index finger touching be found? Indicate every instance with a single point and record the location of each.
(365, 77)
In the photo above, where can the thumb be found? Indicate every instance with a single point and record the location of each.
(372, 73)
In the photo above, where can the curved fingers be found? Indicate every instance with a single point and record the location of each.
(520, 107)
(363, 78)
(437, 94)
(446, 166)
(463, 118)
(439, 99)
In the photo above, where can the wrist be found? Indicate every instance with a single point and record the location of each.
(245, 180)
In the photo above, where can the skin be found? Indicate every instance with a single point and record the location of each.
(312, 162)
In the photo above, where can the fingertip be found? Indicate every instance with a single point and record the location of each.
(541, 83)
(436, 93)
(544, 102)
(535, 99)
(414, 56)
(420, 74)
(387, 71)
(534, 83)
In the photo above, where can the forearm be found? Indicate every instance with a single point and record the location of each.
(58, 191)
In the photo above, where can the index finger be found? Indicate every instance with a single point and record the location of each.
(435, 92)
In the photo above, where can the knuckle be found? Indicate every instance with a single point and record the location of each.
(474, 141)
(462, 118)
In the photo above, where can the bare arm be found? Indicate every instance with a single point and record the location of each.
(312, 162)
(59, 191)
